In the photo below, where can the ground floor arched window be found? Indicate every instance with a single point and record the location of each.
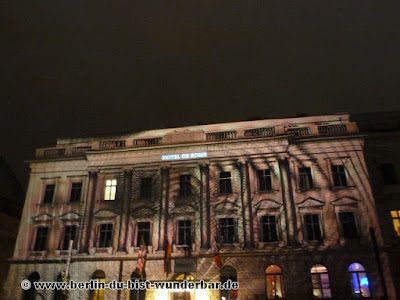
(98, 294)
(359, 280)
(320, 282)
(31, 293)
(228, 273)
(138, 294)
(273, 278)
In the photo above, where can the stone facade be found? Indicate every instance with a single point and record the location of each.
(287, 194)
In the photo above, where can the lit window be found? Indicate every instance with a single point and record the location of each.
(269, 229)
(320, 282)
(41, 238)
(138, 294)
(105, 235)
(143, 235)
(99, 276)
(339, 176)
(305, 179)
(396, 220)
(229, 273)
(184, 232)
(69, 235)
(264, 180)
(185, 186)
(111, 189)
(76, 191)
(145, 187)
(49, 193)
(227, 230)
(273, 277)
(348, 223)
(313, 227)
(225, 185)
(359, 280)
(388, 174)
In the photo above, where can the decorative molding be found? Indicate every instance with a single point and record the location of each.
(43, 218)
(105, 214)
(71, 215)
(346, 200)
(311, 202)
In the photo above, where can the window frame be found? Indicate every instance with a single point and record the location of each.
(146, 187)
(319, 282)
(45, 198)
(44, 243)
(227, 226)
(185, 185)
(262, 227)
(342, 228)
(266, 179)
(339, 176)
(71, 191)
(306, 181)
(184, 228)
(358, 274)
(389, 169)
(397, 219)
(75, 243)
(112, 193)
(138, 233)
(99, 235)
(275, 275)
(320, 227)
(225, 183)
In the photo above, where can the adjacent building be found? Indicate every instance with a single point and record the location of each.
(282, 206)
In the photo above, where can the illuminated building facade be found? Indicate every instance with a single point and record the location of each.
(282, 206)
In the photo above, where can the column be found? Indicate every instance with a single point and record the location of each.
(205, 230)
(163, 214)
(86, 223)
(124, 207)
(288, 201)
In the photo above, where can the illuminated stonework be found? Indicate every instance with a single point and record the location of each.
(282, 206)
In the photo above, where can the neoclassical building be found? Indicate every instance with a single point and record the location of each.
(282, 206)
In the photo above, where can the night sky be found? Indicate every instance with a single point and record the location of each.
(81, 68)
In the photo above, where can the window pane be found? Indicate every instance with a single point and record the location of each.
(264, 180)
(69, 234)
(105, 235)
(269, 227)
(339, 176)
(76, 190)
(145, 187)
(110, 189)
(41, 238)
(305, 179)
(49, 193)
(185, 187)
(313, 229)
(225, 185)
(348, 224)
(227, 227)
(143, 233)
(388, 174)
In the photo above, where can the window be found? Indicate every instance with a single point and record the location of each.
(76, 191)
(273, 278)
(136, 294)
(185, 186)
(49, 193)
(339, 176)
(145, 187)
(320, 282)
(59, 294)
(305, 179)
(111, 189)
(269, 229)
(348, 223)
(105, 235)
(359, 280)
(69, 235)
(225, 185)
(396, 221)
(184, 232)
(264, 180)
(30, 294)
(388, 174)
(143, 234)
(313, 227)
(227, 230)
(99, 276)
(229, 273)
(41, 238)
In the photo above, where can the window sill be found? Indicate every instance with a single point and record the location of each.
(46, 204)
(38, 253)
(267, 192)
(338, 188)
(65, 252)
(72, 203)
(308, 190)
(103, 250)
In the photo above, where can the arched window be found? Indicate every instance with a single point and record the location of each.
(98, 294)
(183, 294)
(60, 294)
(320, 282)
(273, 277)
(359, 280)
(138, 294)
(229, 273)
(31, 293)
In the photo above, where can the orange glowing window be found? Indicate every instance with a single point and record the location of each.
(396, 221)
